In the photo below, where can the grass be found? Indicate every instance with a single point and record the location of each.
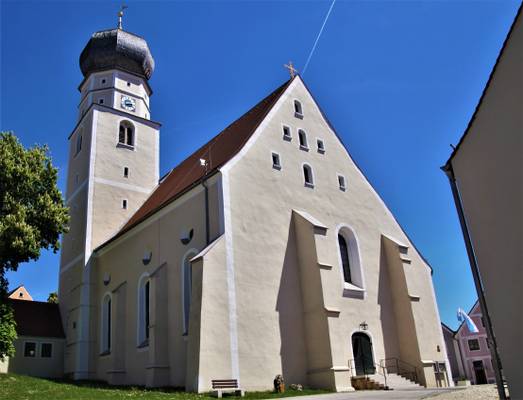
(21, 387)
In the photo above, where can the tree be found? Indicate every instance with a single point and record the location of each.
(53, 298)
(32, 216)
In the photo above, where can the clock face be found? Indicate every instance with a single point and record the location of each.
(128, 103)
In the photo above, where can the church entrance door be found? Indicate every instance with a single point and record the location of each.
(362, 351)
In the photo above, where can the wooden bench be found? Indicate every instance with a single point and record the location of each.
(226, 385)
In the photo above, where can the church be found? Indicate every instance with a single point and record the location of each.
(265, 252)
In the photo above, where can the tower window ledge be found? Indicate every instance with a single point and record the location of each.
(298, 115)
(125, 146)
(353, 291)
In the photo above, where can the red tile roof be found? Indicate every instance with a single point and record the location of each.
(217, 152)
(36, 318)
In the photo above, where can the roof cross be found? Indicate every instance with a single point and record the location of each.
(120, 15)
(292, 71)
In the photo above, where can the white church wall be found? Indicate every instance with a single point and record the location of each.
(122, 261)
(260, 243)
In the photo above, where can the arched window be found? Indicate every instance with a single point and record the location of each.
(308, 177)
(187, 288)
(349, 258)
(106, 324)
(126, 133)
(144, 295)
(344, 254)
(303, 139)
(297, 107)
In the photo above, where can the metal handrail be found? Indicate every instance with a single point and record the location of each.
(401, 369)
(380, 369)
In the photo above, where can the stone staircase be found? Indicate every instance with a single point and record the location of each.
(367, 383)
(395, 381)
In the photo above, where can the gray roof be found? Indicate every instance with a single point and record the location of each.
(116, 48)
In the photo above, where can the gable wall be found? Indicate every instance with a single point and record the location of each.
(264, 260)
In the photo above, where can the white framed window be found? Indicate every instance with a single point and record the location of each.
(298, 109)
(473, 344)
(126, 172)
(308, 176)
(30, 349)
(126, 134)
(321, 146)
(124, 204)
(276, 163)
(350, 262)
(187, 288)
(105, 340)
(342, 183)
(287, 133)
(302, 137)
(46, 350)
(144, 296)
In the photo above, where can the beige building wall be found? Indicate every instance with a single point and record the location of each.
(488, 167)
(52, 367)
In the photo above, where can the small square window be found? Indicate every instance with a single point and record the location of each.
(321, 146)
(125, 172)
(30, 349)
(103, 81)
(129, 84)
(287, 133)
(101, 101)
(341, 183)
(276, 161)
(124, 204)
(46, 350)
(473, 344)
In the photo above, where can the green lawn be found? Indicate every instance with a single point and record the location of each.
(20, 387)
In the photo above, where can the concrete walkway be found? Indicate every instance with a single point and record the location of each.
(408, 394)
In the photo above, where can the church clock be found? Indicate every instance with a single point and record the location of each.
(128, 103)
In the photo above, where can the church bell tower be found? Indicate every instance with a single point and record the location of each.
(113, 167)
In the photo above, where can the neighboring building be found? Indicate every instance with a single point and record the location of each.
(486, 176)
(20, 293)
(265, 252)
(468, 352)
(41, 340)
(453, 353)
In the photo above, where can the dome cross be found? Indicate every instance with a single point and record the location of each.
(120, 15)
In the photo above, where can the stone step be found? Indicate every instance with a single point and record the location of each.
(395, 381)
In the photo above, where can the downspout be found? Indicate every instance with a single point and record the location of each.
(207, 229)
(449, 171)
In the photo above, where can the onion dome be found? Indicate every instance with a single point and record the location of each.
(117, 49)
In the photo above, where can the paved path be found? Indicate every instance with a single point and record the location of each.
(408, 394)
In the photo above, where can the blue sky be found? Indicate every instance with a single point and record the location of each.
(398, 79)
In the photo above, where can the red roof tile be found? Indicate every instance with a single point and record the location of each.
(36, 318)
(217, 152)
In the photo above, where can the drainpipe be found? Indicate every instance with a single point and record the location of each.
(449, 171)
(207, 229)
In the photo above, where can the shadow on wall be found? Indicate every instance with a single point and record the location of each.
(387, 317)
(290, 310)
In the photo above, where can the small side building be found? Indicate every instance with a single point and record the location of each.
(41, 340)
(469, 352)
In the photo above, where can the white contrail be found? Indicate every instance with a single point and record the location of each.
(318, 37)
